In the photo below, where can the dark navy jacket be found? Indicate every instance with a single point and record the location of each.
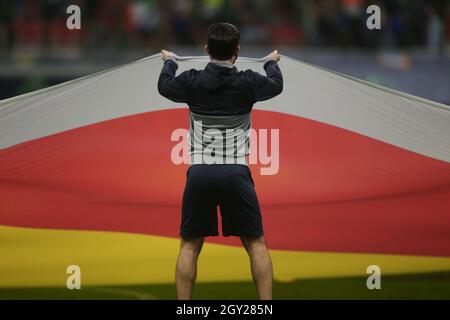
(219, 90)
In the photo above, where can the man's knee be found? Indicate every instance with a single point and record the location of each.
(191, 245)
(252, 244)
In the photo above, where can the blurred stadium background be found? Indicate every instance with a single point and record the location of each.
(411, 53)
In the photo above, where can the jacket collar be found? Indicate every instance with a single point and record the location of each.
(222, 63)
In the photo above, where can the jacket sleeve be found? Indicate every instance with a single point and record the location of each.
(269, 86)
(171, 87)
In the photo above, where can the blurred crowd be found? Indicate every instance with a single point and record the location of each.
(145, 24)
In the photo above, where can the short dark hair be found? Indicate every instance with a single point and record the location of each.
(223, 39)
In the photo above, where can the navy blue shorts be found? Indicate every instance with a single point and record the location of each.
(229, 187)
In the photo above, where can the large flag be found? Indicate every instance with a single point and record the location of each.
(87, 178)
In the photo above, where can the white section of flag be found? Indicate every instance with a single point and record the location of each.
(406, 121)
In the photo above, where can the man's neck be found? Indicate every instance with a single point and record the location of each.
(223, 63)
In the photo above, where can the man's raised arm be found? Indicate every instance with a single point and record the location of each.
(271, 85)
(169, 86)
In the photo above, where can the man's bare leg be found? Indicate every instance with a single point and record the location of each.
(261, 265)
(186, 270)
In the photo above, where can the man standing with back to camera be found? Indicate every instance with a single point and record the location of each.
(220, 100)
